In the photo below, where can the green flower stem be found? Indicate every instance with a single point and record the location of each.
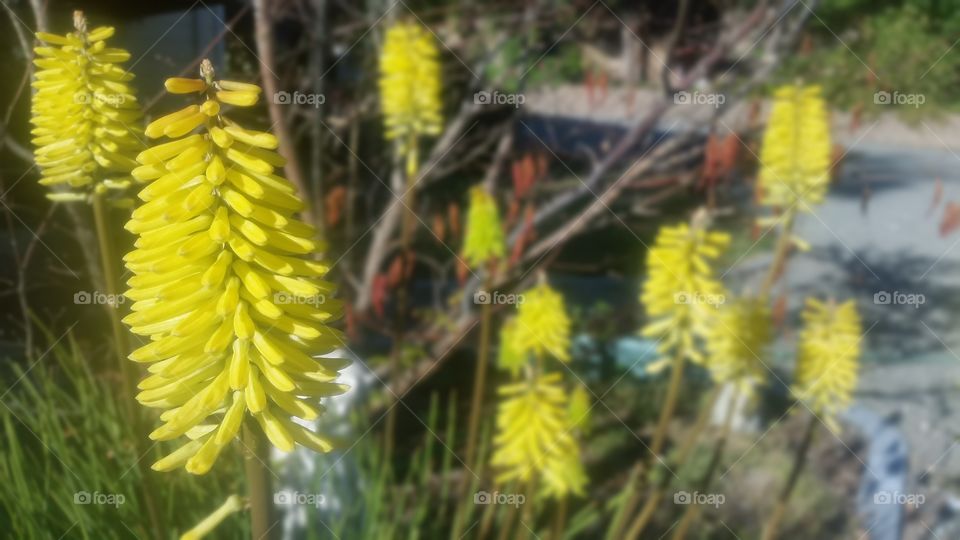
(528, 516)
(486, 519)
(693, 510)
(781, 251)
(770, 530)
(560, 520)
(406, 238)
(128, 403)
(256, 456)
(525, 514)
(656, 495)
(107, 261)
(392, 399)
(479, 379)
(669, 403)
(659, 439)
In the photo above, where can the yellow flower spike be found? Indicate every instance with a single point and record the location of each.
(542, 325)
(796, 153)
(681, 293)
(736, 341)
(533, 437)
(85, 115)
(828, 353)
(213, 254)
(483, 241)
(410, 83)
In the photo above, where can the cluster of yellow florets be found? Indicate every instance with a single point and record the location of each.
(681, 293)
(796, 153)
(537, 418)
(85, 115)
(234, 309)
(827, 358)
(410, 83)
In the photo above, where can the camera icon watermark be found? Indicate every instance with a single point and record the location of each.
(299, 98)
(900, 499)
(897, 298)
(882, 97)
(295, 498)
(496, 97)
(85, 298)
(109, 499)
(497, 298)
(511, 499)
(699, 298)
(699, 98)
(701, 499)
(284, 298)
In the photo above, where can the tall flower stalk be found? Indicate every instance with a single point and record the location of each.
(794, 166)
(738, 332)
(483, 246)
(224, 287)
(680, 294)
(739, 335)
(86, 122)
(411, 104)
(828, 354)
(534, 444)
(86, 126)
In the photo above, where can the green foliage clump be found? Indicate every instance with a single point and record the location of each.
(858, 48)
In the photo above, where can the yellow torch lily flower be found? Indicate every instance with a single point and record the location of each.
(533, 436)
(410, 90)
(484, 235)
(681, 293)
(410, 83)
(796, 153)
(85, 115)
(828, 358)
(736, 340)
(542, 326)
(223, 285)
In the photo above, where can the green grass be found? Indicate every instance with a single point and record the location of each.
(64, 435)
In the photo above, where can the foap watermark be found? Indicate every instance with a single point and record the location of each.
(295, 498)
(284, 298)
(498, 98)
(702, 499)
(497, 298)
(897, 498)
(86, 298)
(86, 98)
(512, 499)
(897, 298)
(299, 98)
(882, 97)
(699, 98)
(110, 499)
(694, 297)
